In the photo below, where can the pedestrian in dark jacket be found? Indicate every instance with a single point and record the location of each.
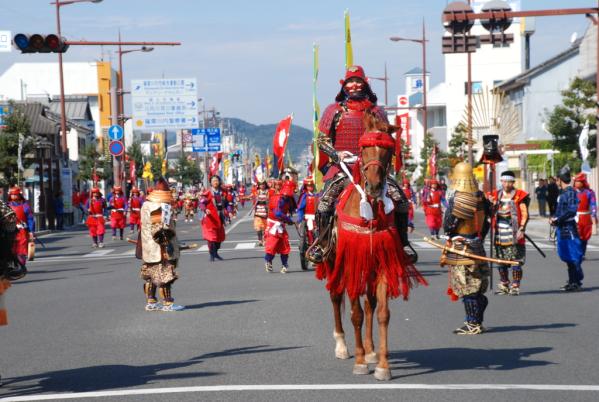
(552, 194)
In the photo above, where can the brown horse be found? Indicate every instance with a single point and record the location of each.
(368, 259)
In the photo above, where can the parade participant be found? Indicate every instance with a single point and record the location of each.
(188, 208)
(432, 204)
(219, 198)
(261, 211)
(231, 201)
(25, 224)
(242, 195)
(587, 210)
(280, 209)
(306, 210)
(509, 218)
(213, 228)
(411, 196)
(95, 217)
(118, 210)
(275, 187)
(340, 128)
(135, 203)
(159, 248)
(464, 224)
(569, 247)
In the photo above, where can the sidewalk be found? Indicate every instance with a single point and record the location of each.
(539, 227)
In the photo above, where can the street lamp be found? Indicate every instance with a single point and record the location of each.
(422, 41)
(385, 79)
(63, 118)
(120, 91)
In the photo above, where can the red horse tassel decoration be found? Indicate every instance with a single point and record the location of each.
(367, 251)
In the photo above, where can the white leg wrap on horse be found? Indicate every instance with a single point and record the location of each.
(361, 369)
(340, 346)
(372, 358)
(382, 374)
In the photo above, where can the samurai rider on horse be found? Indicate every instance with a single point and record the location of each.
(341, 126)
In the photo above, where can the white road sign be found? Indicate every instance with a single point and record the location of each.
(5, 41)
(160, 104)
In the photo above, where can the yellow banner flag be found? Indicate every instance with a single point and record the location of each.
(147, 174)
(256, 161)
(349, 53)
(163, 170)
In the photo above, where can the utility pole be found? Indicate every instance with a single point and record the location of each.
(114, 113)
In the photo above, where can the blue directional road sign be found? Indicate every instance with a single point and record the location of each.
(115, 132)
(206, 139)
(116, 148)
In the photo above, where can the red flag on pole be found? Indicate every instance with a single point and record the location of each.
(279, 142)
(432, 163)
(215, 164)
(132, 172)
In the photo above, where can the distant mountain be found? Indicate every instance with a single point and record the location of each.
(260, 136)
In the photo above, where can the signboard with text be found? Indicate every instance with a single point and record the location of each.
(206, 139)
(164, 104)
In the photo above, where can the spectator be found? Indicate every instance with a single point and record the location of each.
(541, 193)
(552, 194)
(59, 210)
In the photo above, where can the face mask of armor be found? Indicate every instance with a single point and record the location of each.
(354, 89)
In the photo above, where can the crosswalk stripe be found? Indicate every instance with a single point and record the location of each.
(422, 244)
(203, 248)
(98, 253)
(245, 246)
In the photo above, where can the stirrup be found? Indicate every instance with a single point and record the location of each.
(315, 254)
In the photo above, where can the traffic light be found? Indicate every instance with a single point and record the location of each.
(37, 43)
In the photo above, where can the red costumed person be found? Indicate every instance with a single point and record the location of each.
(25, 224)
(280, 209)
(242, 195)
(135, 203)
(306, 210)
(587, 209)
(213, 228)
(432, 203)
(118, 210)
(95, 217)
(411, 196)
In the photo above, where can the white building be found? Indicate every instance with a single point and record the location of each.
(27, 81)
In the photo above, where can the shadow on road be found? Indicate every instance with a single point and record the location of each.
(542, 327)
(456, 359)
(219, 303)
(557, 291)
(19, 282)
(111, 376)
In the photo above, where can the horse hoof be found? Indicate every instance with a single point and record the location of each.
(382, 374)
(361, 369)
(342, 354)
(372, 358)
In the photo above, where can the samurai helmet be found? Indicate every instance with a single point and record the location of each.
(16, 190)
(161, 192)
(135, 190)
(308, 181)
(463, 178)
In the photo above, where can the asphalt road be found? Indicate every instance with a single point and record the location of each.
(78, 325)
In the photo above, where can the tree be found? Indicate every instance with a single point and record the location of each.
(156, 162)
(458, 144)
(565, 123)
(187, 172)
(91, 159)
(135, 154)
(16, 123)
(425, 153)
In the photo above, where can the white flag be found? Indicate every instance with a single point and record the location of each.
(19, 160)
(583, 142)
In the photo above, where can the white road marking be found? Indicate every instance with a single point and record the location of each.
(245, 218)
(203, 248)
(422, 244)
(245, 246)
(128, 252)
(304, 387)
(98, 253)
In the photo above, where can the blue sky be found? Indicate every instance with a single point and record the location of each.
(253, 59)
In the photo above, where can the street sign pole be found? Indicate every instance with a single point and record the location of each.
(116, 163)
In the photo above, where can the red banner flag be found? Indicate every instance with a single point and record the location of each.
(279, 142)
(132, 172)
(215, 164)
(432, 163)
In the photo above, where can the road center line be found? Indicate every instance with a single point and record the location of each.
(304, 387)
(234, 225)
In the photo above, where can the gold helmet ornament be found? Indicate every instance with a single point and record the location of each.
(463, 178)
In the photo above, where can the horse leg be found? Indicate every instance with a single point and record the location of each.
(340, 345)
(357, 319)
(369, 307)
(382, 372)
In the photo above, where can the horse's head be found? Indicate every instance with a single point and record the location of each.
(377, 149)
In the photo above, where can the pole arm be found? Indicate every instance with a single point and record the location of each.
(117, 43)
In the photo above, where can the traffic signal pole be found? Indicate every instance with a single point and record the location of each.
(63, 115)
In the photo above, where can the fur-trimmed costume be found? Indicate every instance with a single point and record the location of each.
(159, 251)
(465, 224)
